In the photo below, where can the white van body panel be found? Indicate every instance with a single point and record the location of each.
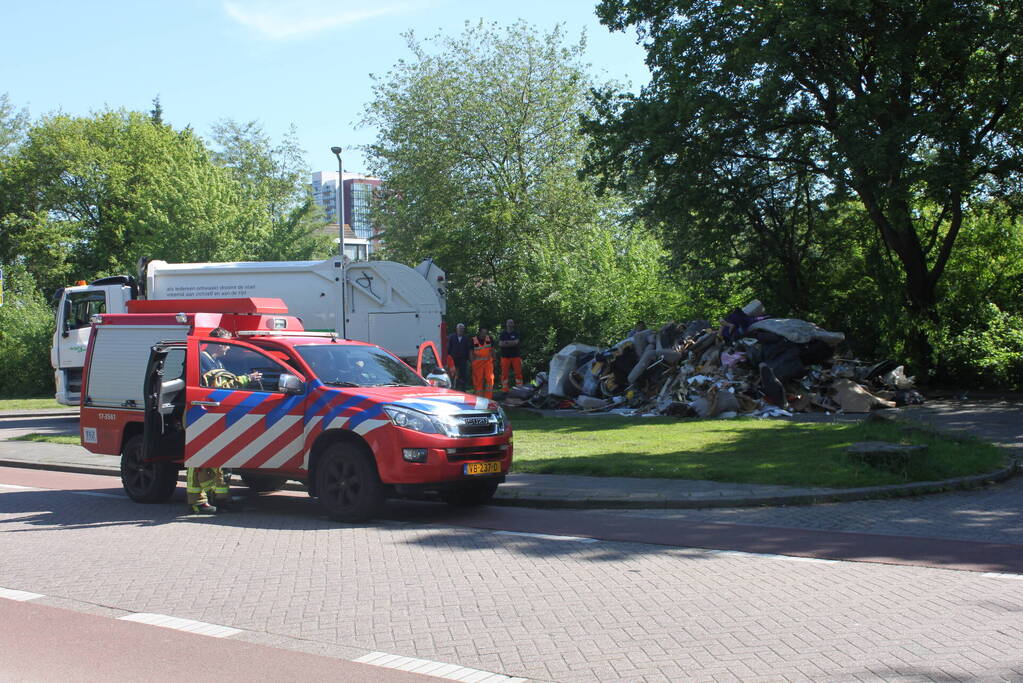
(119, 359)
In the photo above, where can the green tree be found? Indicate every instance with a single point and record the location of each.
(13, 124)
(26, 327)
(274, 183)
(914, 109)
(479, 147)
(96, 193)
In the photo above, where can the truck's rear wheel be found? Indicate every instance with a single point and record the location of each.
(263, 483)
(347, 483)
(152, 482)
(470, 493)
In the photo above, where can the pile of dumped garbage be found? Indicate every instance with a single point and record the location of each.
(750, 364)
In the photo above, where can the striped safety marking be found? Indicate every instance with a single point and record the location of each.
(20, 596)
(198, 627)
(255, 430)
(249, 431)
(452, 672)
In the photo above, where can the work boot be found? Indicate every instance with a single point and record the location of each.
(203, 509)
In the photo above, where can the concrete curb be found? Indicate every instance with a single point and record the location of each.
(38, 413)
(839, 496)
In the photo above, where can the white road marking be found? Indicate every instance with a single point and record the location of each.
(188, 625)
(451, 672)
(20, 596)
(548, 537)
(772, 556)
(94, 494)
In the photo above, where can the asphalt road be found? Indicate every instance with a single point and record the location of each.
(502, 592)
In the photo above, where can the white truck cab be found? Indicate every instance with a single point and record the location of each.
(75, 307)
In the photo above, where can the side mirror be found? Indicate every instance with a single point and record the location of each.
(289, 384)
(66, 323)
(439, 378)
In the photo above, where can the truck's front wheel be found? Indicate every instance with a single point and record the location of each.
(146, 482)
(347, 483)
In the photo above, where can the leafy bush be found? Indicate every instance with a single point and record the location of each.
(987, 354)
(26, 329)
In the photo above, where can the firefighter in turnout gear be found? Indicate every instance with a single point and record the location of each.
(205, 487)
(483, 364)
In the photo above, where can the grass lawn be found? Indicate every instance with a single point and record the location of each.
(49, 438)
(739, 450)
(30, 404)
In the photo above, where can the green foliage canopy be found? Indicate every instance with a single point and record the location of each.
(913, 109)
(98, 192)
(479, 147)
(274, 180)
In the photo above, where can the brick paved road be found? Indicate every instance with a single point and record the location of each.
(992, 514)
(543, 609)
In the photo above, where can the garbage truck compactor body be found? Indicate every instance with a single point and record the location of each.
(349, 419)
(385, 303)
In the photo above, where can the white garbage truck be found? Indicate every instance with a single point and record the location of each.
(381, 302)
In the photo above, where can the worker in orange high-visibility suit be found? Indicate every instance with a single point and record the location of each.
(483, 363)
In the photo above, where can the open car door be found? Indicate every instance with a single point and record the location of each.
(164, 391)
(429, 366)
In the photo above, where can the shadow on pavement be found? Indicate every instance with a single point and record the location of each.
(58, 510)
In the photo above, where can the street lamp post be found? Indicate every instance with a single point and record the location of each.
(341, 230)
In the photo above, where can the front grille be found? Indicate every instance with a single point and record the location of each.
(477, 453)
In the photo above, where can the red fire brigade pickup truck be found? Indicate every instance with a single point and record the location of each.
(351, 421)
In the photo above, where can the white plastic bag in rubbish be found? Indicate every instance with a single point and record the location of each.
(590, 402)
(564, 362)
(772, 411)
(798, 331)
(897, 379)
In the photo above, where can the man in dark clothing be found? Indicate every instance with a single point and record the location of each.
(459, 348)
(511, 358)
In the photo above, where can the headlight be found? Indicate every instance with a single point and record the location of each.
(502, 420)
(412, 419)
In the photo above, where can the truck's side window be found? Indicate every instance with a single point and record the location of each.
(228, 366)
(81, 306)
(174, 365)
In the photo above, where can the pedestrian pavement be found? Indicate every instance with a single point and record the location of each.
(997, 421)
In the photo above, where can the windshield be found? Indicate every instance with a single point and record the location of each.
(358, 366)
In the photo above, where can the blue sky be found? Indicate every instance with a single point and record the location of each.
(275, 62)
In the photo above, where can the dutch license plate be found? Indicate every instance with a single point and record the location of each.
(482, 468)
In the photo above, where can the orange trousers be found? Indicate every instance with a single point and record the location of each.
(483, 378)
(507, 366)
